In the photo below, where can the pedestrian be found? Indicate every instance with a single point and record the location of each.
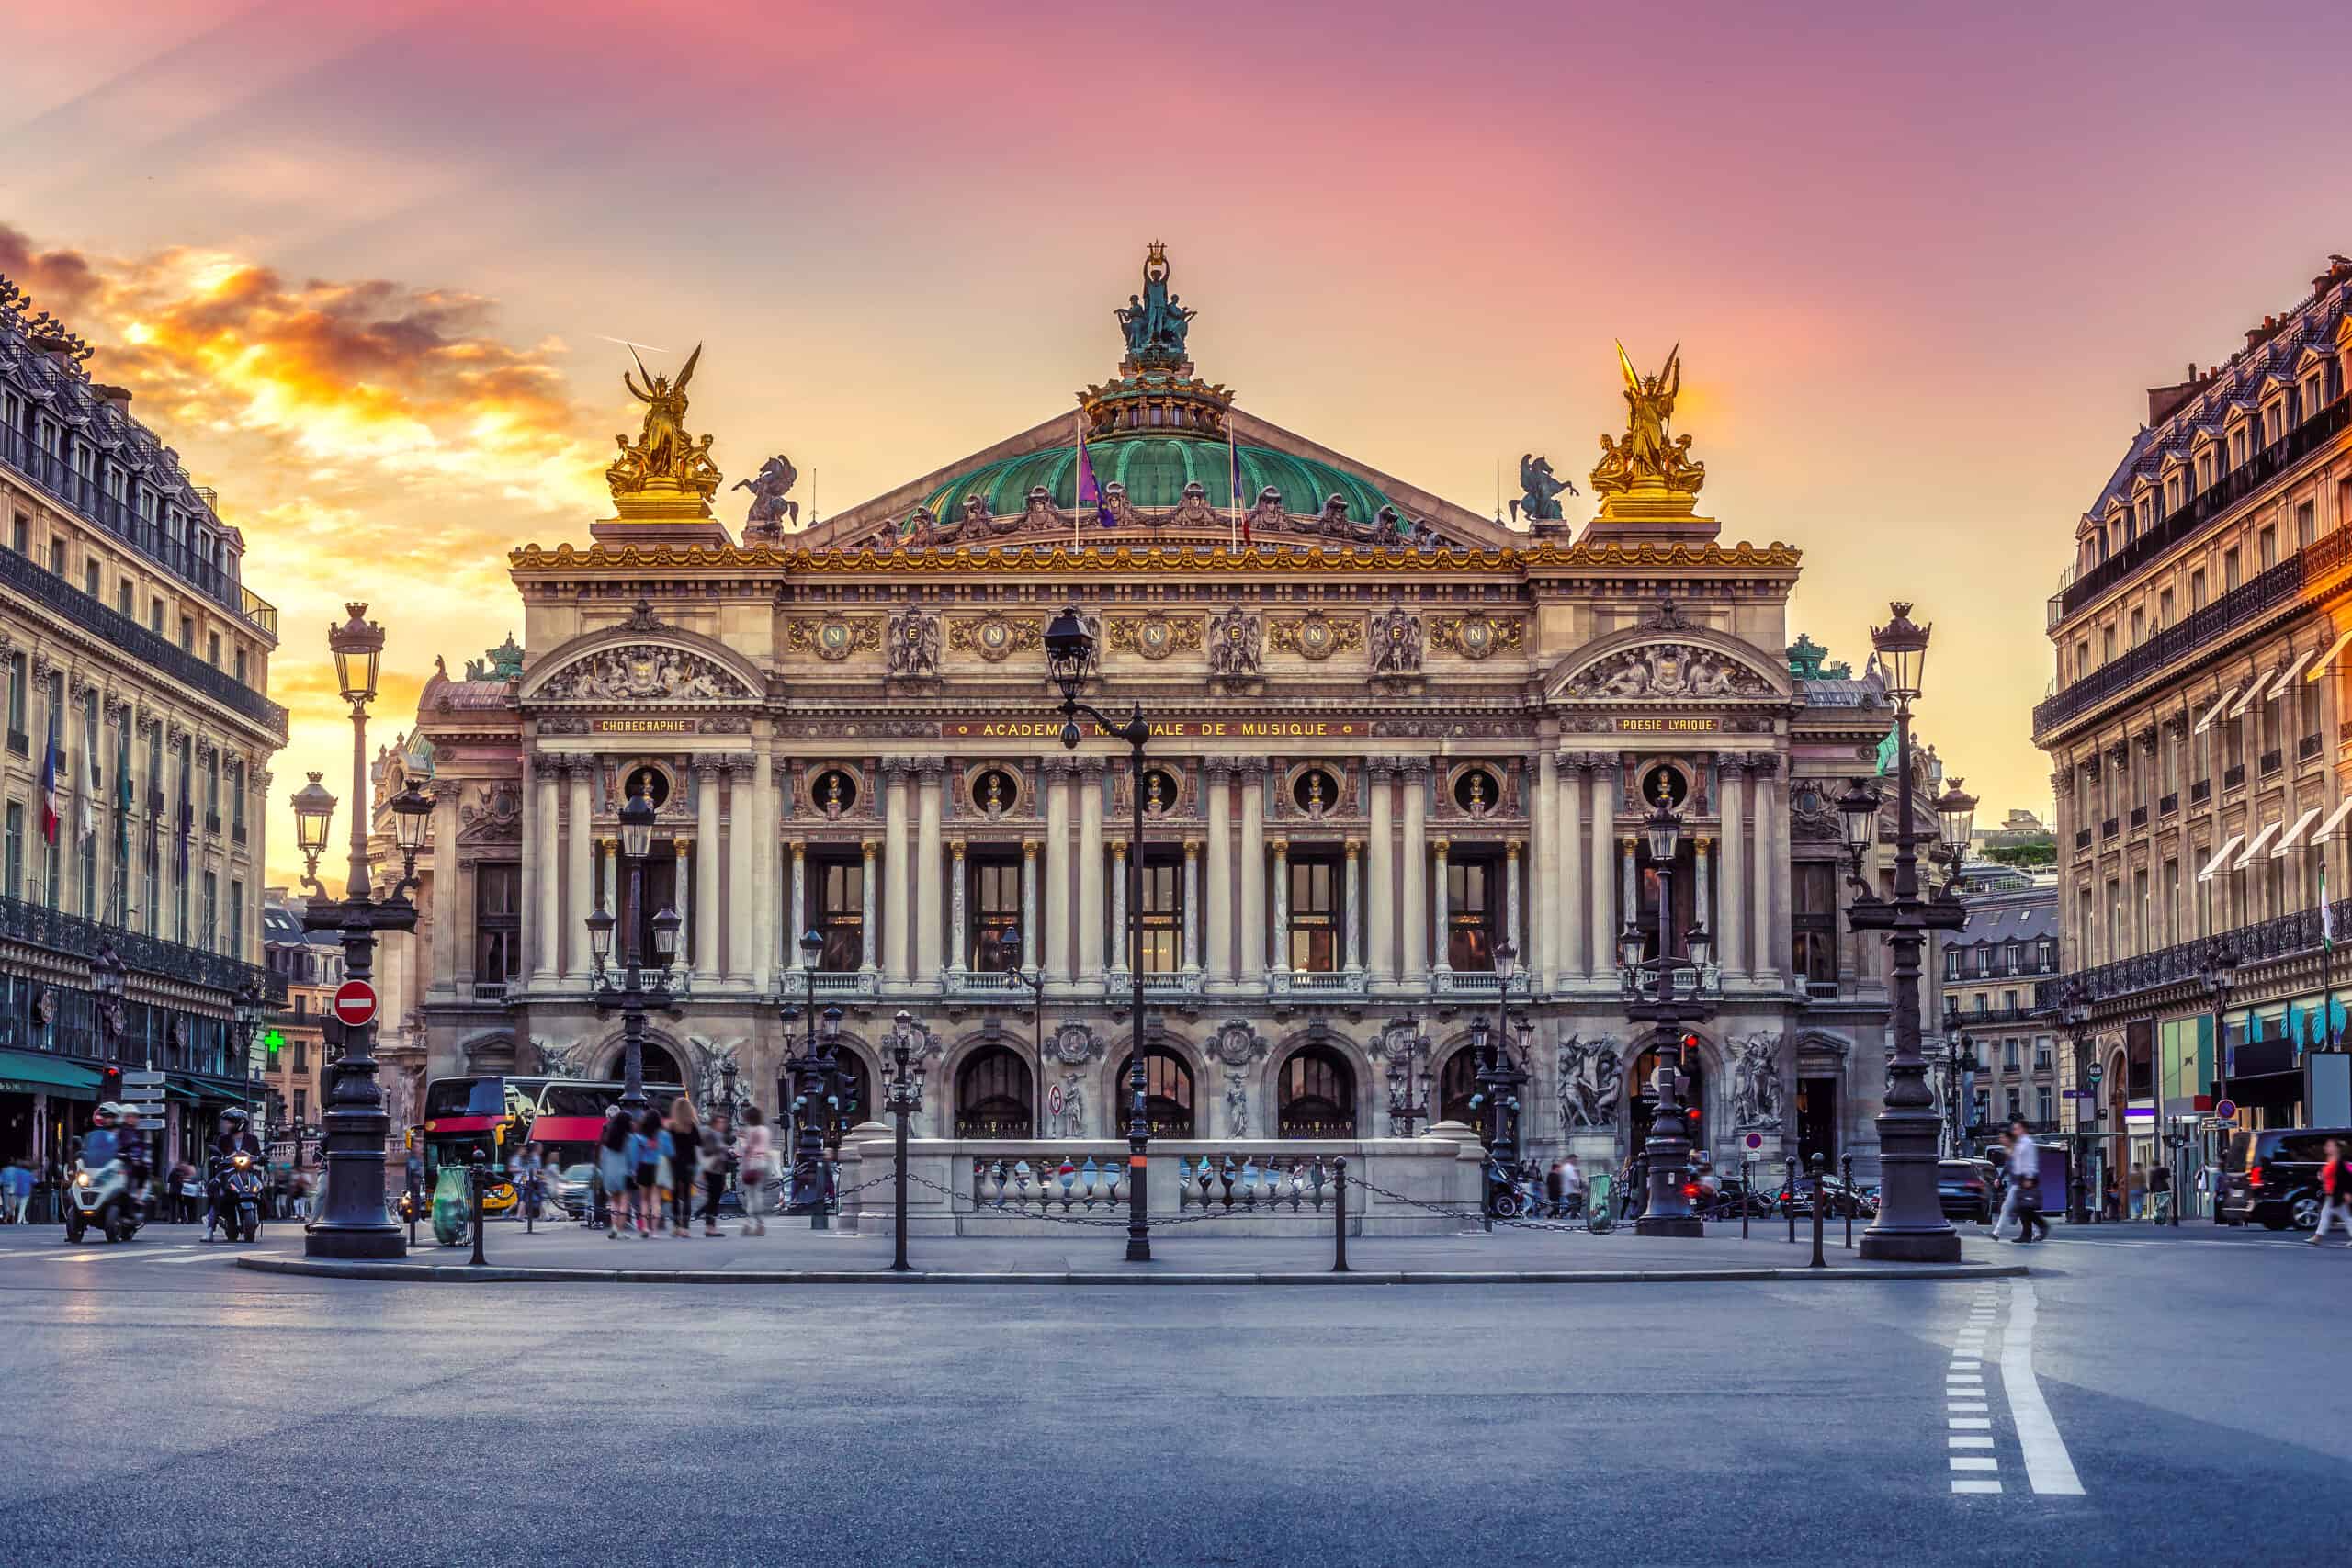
(2006, 1175)
(2160, 1193)
(717, 1156)
(684, 1153)
(2025, 1175)
(756, 1151)
(529, 1180)
(645, 1150)
(16, 1186)
(615, 1171)
(2336, 1192)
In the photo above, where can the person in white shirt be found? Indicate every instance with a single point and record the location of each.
(2024, 1184)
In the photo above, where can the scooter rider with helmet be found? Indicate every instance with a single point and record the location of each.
(131, 1148)
(98, 1144)
(236, 1137)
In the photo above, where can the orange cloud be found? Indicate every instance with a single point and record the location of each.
(371, 439)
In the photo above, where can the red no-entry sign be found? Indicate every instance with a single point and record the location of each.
(355, 1003)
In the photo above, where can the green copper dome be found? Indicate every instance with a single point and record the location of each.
(1156, 469)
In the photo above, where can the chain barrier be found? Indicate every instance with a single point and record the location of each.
(1156, 1223)
(1562, 1225)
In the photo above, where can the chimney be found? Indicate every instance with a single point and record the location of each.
(118, 396)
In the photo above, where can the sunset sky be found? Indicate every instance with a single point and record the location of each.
(358, 262)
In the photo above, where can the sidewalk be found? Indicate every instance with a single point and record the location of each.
(792, 1254)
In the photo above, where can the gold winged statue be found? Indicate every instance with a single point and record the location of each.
(664, 457)
(1649, 457)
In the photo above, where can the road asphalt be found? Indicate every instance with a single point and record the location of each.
(2141, 1397)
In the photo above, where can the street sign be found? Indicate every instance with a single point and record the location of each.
(2097, 1072)
(2077, 1094)
(142, 1094)
(139, 1081)
(1754, 1141)
(2227, 1110)
(355, 1003)
(1054, 1101)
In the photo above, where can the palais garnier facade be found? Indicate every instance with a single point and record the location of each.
(1392, 736)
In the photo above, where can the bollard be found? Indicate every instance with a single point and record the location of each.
(415, 1202)
(1746, 1194)
(1793, 1199)
(481, 1175)
(530, 1197)
(898, 1264)
(1340, 1208)
(1846, 1166)
(1820, 1171)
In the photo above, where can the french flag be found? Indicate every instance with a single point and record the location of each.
(52, 799)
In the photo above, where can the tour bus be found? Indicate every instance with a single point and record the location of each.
(500, 1113)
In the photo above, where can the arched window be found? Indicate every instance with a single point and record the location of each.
(993, 1097)
(1167, 1096)
(1457, 1082)
(1316, 1097)
(655, 1065)
(1641, 1090)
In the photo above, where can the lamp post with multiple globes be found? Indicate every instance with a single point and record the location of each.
(352, 1222)
(1665, 993)
(637, 991)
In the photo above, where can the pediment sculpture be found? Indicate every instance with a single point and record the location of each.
(1668, 670)
(641, 672)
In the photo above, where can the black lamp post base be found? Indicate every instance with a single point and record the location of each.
(1669, 1225)
(1937, 1246)
(327, 1239)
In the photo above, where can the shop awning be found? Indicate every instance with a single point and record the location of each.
(2215, 711)
(2327, 659)
(2280, 687)
(204, 1088)
(2254, 845)
(2287, 839)
(2253, 690)
(2213, 867)
(38, 1072)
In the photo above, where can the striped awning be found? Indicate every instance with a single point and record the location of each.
(2327, 829)
(2254, 845)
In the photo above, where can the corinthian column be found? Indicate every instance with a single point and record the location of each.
(579, 869)
(1380, 871)
(1352, 909)
(955, 906)
(1192, 905)
(1057, 847)
(1441, 895)
(1773, 923)
(1121, 948)
(1090, 872)
(760, 833)
(1253, 874)
(1731, 908)
(544, 949)
(1218, 883)
(867, 932)
(1541, 957)
(897, 845)
(743, 905)
(688, 884)
(1413, 906)
(710, 959)
(1568, 896)
(1511, 899)
(1029, 932)
(445, 888)
(1282, 905)
(930, 914)
(1601, 946)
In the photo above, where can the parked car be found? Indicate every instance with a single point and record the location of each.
(2271, 1177)
(1964, 1187)
(1842, 1199)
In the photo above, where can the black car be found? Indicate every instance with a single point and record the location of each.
(2271, 1177)
(1964, 1187)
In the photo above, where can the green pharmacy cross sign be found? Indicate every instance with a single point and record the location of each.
(274, 1040)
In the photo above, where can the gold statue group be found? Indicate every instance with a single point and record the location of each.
(1648, 457)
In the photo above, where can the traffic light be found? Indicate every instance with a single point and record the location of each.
(1690, 1043)
(109, 1083)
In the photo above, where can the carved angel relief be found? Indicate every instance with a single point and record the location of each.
(641, 671)
(1668, 670)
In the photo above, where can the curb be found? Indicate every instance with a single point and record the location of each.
(460, 1273)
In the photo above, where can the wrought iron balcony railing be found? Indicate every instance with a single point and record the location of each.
(47, 589)
(70, 934)
(2184, 962)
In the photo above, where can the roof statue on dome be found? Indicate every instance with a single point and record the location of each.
(1650, 459)
(665, 472)
(1541, 488)
(1154, 322)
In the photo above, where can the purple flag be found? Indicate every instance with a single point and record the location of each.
(1090, 493)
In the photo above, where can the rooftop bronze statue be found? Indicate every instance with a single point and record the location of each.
(1541, 486)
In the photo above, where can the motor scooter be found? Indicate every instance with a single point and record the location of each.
(239, 1181)
(102, 1198)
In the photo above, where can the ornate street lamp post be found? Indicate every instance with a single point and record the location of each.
(1960, 1065)
(2073, 1016)
(1035, 983)
(107, 975)
(1665, 992)
(1070, 656)
(1407, 1052)
(903, 1097)
(637, 990)
(1910, 1227)
(2220, 975)
(816, 1073)
(352, 1222)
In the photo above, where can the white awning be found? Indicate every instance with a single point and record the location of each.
(2213, 866)
(2287, 839)
(2334, 820)
(2215, 711)
(2286, 680)
(2327, 659)
(2253, 693)
(2254, 845)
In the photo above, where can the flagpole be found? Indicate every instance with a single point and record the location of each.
(1233, 488)
(1078, 425)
